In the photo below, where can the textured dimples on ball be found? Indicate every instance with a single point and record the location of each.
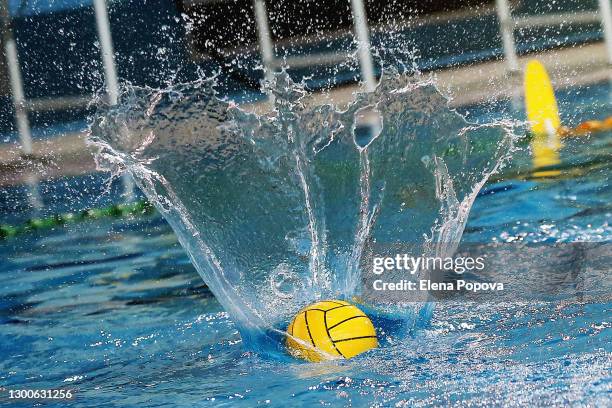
(330, 329)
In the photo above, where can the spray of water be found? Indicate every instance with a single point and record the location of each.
(276, 209)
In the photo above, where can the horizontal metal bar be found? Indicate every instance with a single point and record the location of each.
(585, 17)
(192, 3)
(308, 60)
(435, 18)
(57, 104)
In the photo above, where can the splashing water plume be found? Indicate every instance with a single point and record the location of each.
(276, 209)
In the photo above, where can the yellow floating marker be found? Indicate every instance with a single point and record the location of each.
(540, 101)
(543, 116)
(330, 329)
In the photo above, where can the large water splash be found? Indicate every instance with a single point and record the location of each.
(276, 210)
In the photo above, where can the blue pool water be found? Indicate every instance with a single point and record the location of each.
(116, 311)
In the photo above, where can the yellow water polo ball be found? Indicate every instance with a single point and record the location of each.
(330, 329)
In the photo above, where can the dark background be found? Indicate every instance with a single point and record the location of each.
(154, 46)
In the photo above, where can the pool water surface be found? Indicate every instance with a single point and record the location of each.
(113, 308)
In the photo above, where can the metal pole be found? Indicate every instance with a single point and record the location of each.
(110, 75)
(108, 55)
(32, 185)
(16, 82)
(506, 25)
(363, 40)
(606, 19)
(266, 48)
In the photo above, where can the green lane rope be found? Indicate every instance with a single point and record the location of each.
(138, 208)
